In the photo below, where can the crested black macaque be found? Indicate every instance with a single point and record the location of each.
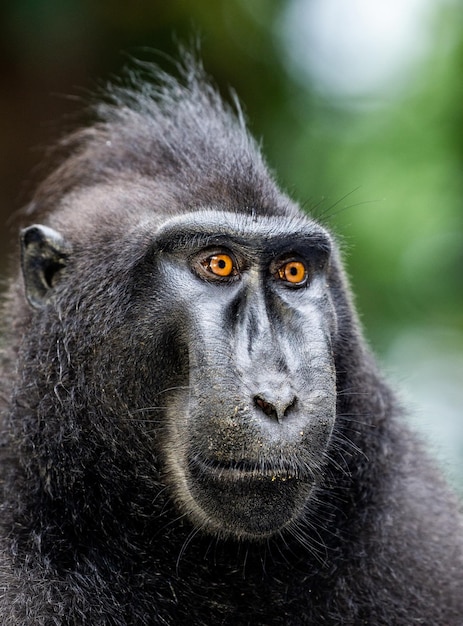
(194, 431)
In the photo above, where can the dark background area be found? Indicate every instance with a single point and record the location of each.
(378, 156)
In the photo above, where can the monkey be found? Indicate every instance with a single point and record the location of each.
(193, 427)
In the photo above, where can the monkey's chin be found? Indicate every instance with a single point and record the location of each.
(240, 501)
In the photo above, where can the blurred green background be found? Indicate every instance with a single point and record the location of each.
(359, 106)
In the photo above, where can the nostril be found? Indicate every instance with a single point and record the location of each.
(267, 407)
(289, 406)
(277, 409)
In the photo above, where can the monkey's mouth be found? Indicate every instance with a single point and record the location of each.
(244, 470)
(245, 497)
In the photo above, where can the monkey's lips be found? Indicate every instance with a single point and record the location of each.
(247, 499)
(243, 469)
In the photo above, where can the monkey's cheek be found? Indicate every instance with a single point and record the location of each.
(247, 508)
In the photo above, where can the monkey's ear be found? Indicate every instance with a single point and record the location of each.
(44, 253)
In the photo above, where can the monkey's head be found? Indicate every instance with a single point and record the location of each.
(182, 320)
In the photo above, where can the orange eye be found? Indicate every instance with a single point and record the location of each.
(221, 265)
(293, 272)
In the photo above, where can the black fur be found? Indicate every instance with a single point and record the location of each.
(96, 375)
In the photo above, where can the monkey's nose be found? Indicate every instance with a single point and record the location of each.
(275, 407)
